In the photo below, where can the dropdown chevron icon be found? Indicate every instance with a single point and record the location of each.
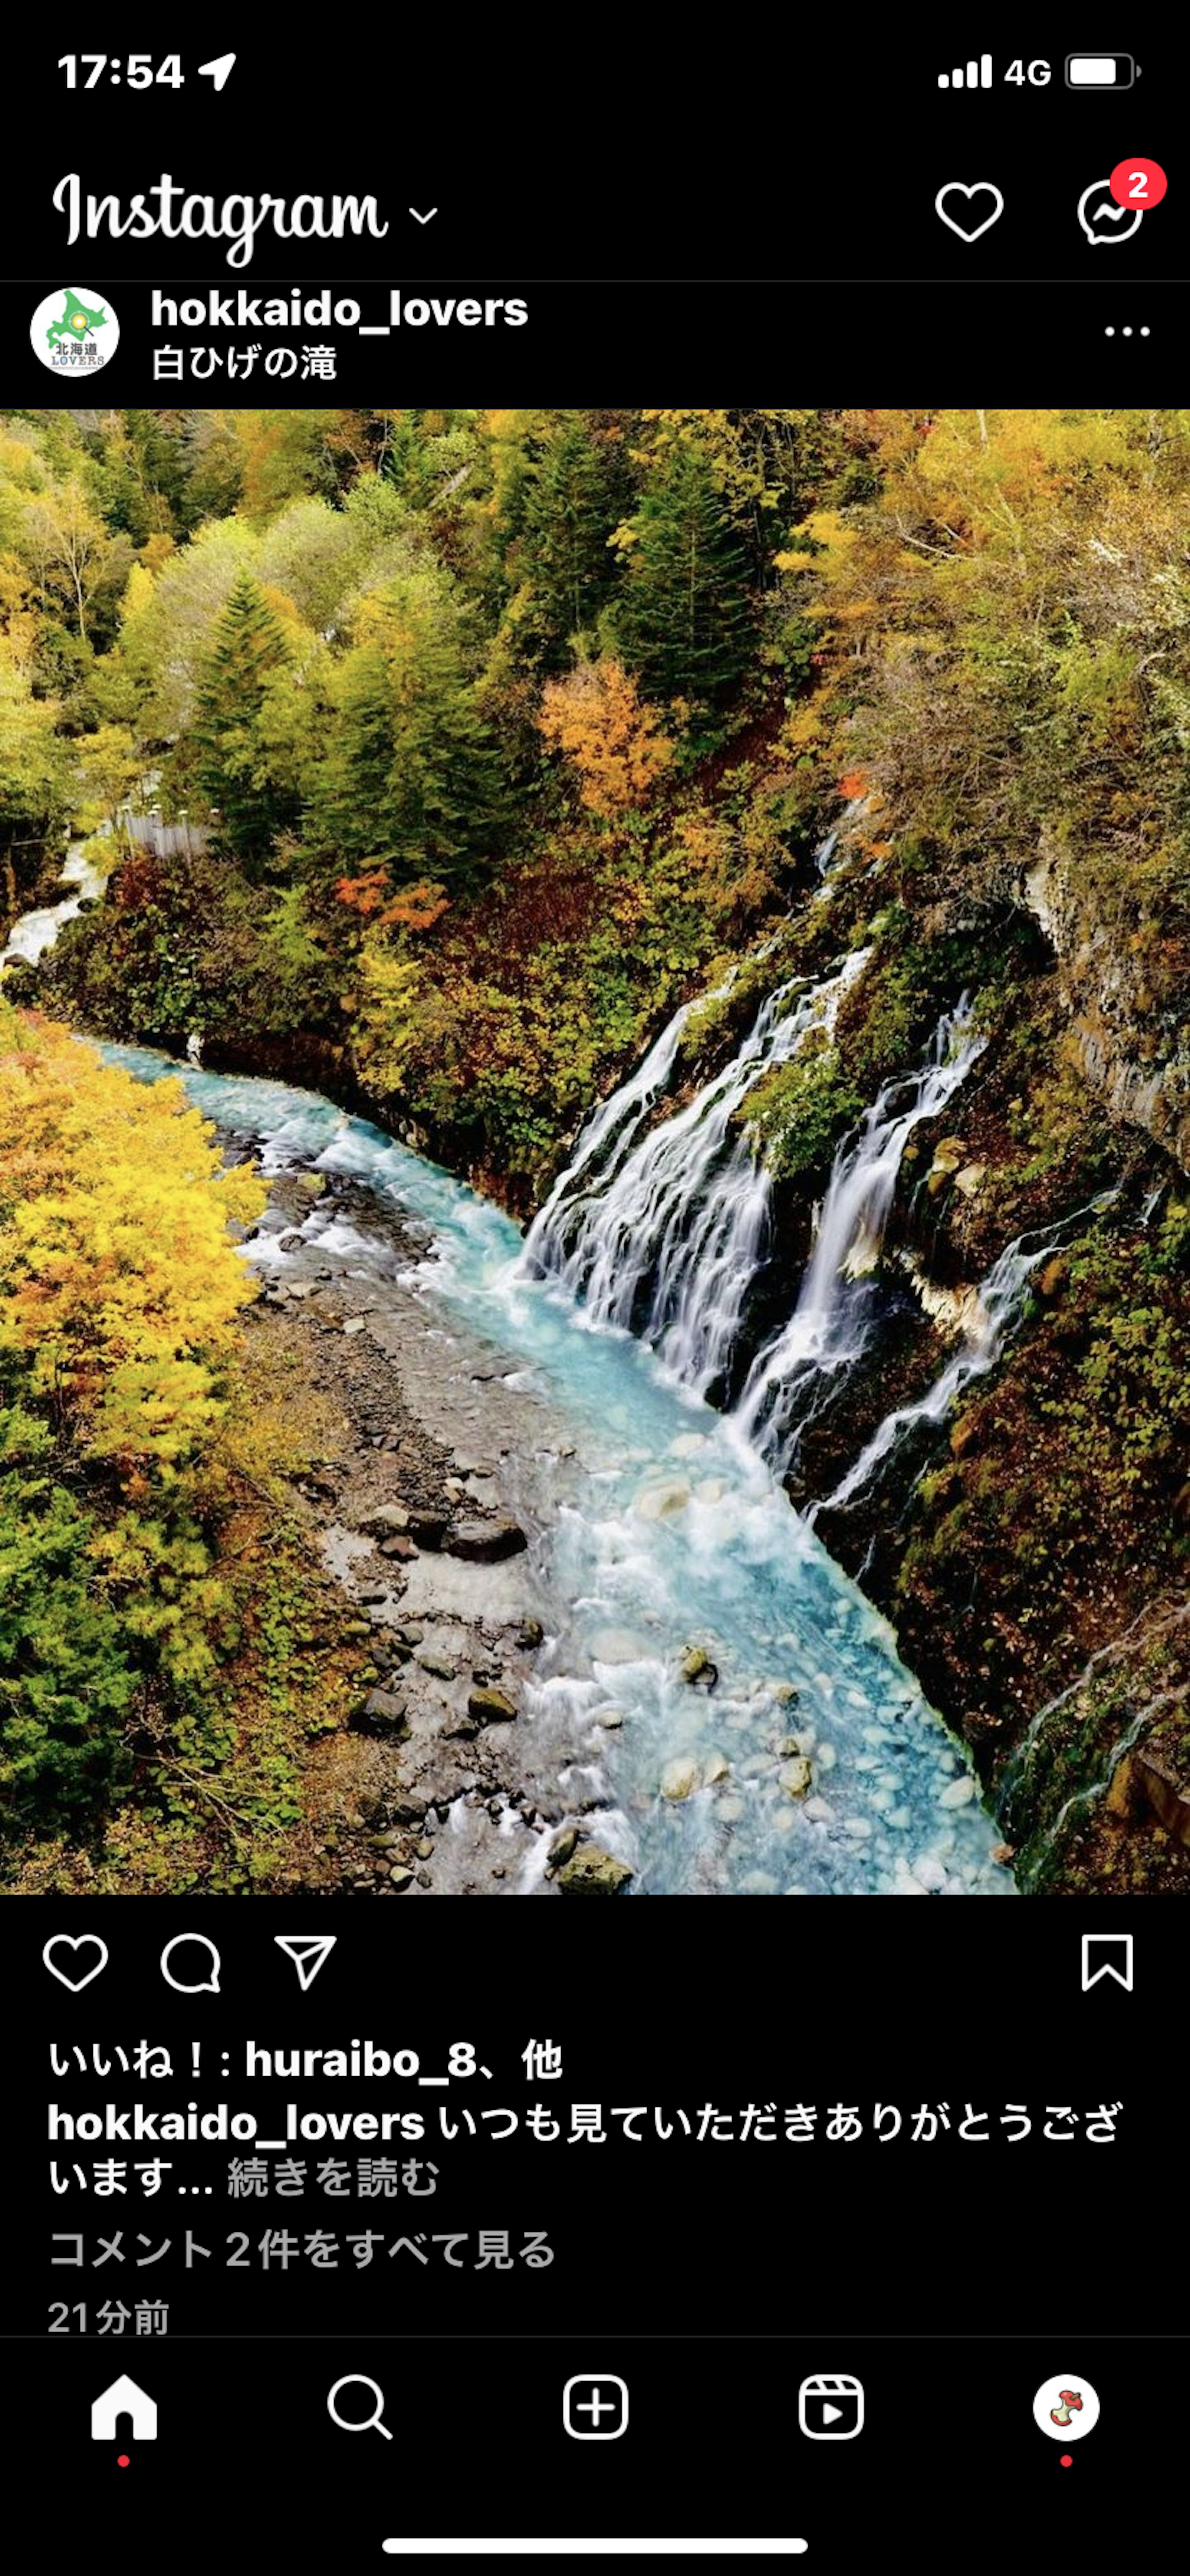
(423, 219)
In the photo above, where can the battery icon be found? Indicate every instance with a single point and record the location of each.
(1101, 71)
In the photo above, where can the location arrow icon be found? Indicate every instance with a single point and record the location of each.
(217, 70)
(308, 1955)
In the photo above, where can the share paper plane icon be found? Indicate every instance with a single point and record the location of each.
(308, 1956)
(217, 70)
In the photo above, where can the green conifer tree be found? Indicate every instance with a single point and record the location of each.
(412, 778)
(232, 760)
(576, 491)
(687, 617)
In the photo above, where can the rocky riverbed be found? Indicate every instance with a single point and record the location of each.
(428, 1516)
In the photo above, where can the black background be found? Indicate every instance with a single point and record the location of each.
(846, 2004)
(707, 199)
(950, 2470)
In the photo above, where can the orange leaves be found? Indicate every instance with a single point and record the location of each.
(366, 894)
(613, 737)
(854, 784)
(416, 907)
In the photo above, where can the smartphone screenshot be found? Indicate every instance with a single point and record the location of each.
(594, 1291)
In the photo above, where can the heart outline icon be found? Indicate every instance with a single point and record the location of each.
(67, 1941)
(958, 187)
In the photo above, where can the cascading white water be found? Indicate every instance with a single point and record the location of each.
(679, 1214)
(829, 1326)
(998, 1303)
(36, 931)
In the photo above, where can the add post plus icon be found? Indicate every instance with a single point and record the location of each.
(595, 2407)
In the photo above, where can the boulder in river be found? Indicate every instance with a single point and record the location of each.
(681, 1777)
(662, 1502)
(428, 1528)
(382, 1711)
(696, 1666)
(385, 1518)
(491, 1707)
(486, 1542)
(591, 1871)
(796, 1777)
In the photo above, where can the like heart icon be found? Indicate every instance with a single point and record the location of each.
(969, 220)
(85, 1941)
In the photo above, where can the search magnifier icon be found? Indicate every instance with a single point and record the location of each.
(373, 2423)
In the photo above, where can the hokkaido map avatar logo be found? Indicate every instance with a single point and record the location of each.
(74, 332)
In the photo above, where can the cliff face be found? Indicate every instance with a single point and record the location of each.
(1134, 1053)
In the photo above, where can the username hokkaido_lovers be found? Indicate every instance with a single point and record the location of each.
(168, 209)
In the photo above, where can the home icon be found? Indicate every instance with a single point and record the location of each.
(124, 2398)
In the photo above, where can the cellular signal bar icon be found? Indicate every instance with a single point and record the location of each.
(977, 75)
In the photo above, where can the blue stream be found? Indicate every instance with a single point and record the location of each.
(672, 1532)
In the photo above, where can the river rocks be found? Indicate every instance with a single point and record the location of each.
(680, 1778)
(785, 1694)
(969, 1179)
(696, 1666)
(354, 1324)
(796, 1778)
(401, 1877)
(661, 1502)
(490, 1707)
(959, 1793)
(427, 1527)
(400, 1551)
(610, 1717)
(381, 1712)
(384, 1518)
(530, 1635)
(486, 1542)
(563, 1845)
(715, 1768)
(431, 1661)
(591, 1871)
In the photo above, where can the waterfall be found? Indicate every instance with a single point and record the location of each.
(829, 1326)
(663, 1233)
(999, 1300)
(30, 937)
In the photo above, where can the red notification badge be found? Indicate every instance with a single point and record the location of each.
(1138, 184)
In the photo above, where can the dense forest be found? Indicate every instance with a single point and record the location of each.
(492, 739)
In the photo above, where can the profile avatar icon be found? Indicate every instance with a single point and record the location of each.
(1069, 2402)
(76, 321)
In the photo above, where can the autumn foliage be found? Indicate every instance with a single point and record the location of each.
(614, 739)
(119, 1294)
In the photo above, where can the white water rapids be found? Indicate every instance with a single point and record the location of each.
(30, 937)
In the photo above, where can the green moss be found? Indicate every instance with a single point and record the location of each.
(798, 1111)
